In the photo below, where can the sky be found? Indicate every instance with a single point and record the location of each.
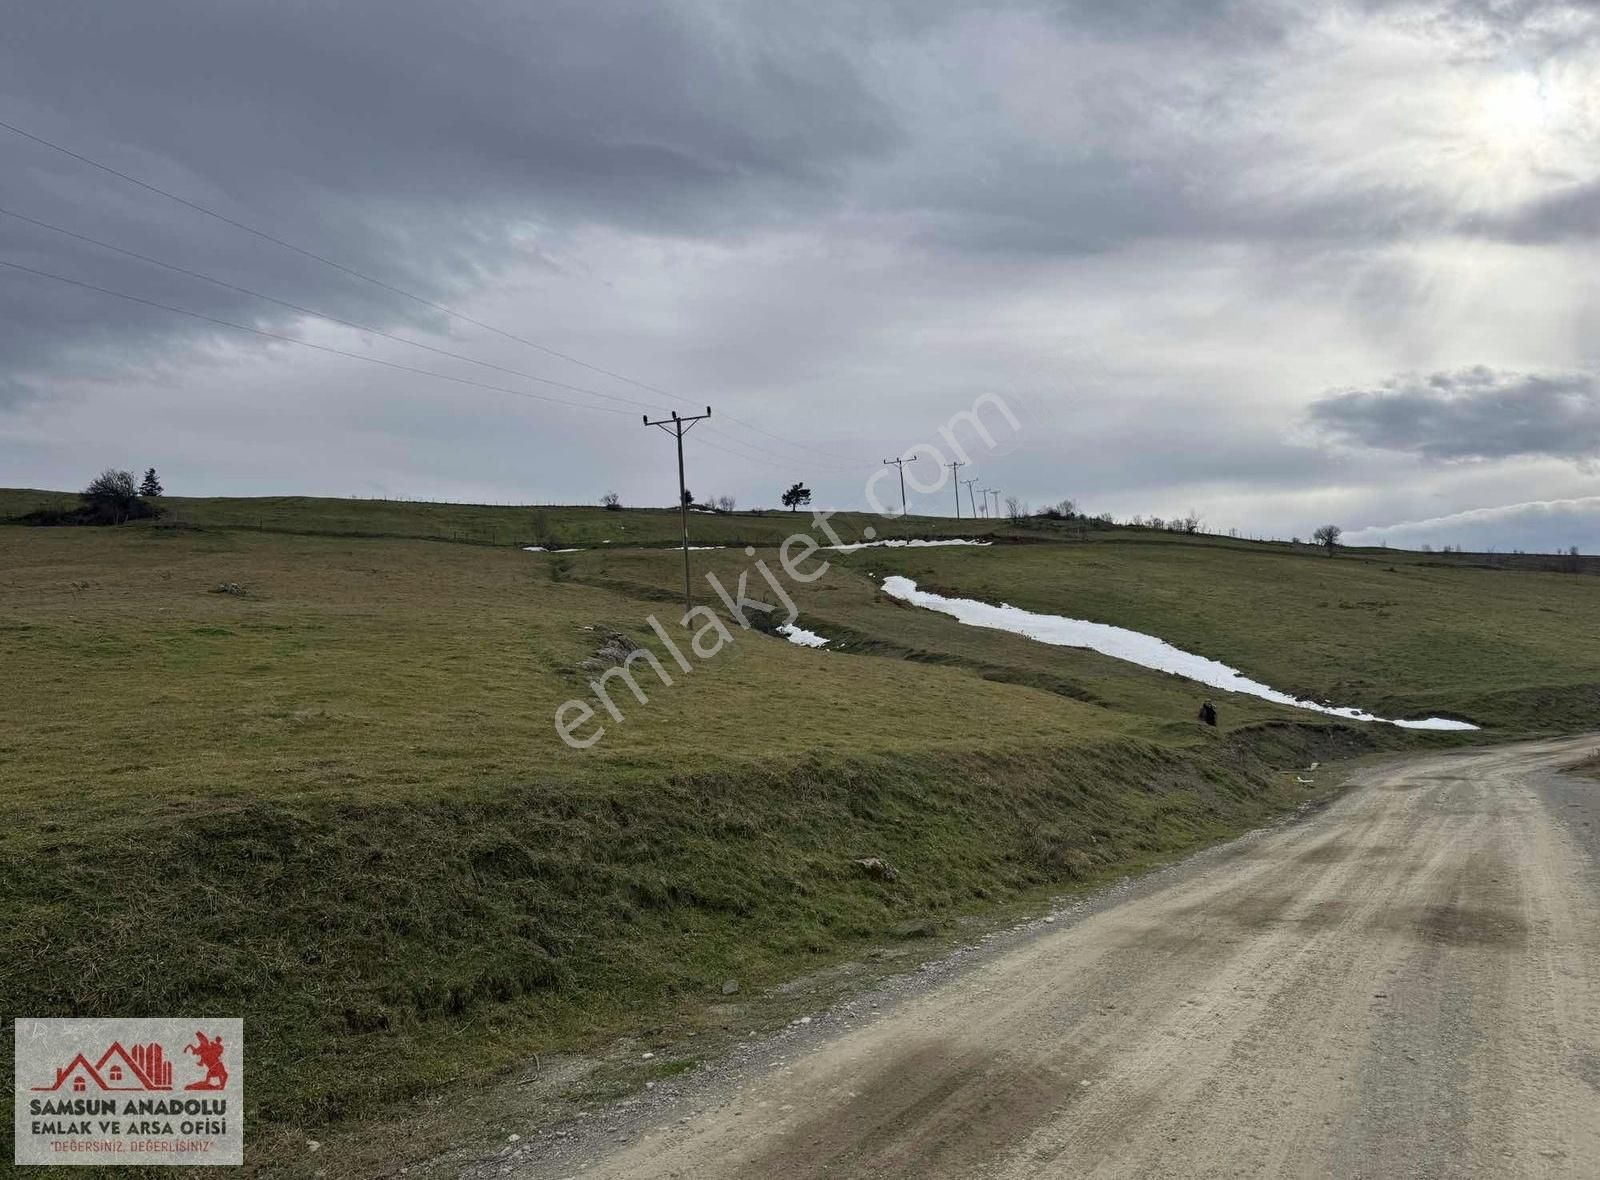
(1275, 264)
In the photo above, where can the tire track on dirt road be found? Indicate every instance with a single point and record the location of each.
(1405, 984)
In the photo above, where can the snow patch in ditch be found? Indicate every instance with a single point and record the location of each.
(542, 549)
(1123, 644)
(801, 636)
(915, 543)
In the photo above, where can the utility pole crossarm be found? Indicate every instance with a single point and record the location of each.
(678, 427)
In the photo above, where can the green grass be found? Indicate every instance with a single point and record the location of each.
(554, 526)
(334, 802)
(1395, 634)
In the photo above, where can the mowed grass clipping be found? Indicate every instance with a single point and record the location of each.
(314, 781)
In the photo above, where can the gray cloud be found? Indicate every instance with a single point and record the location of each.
(1165, 223)
(1561, 217)
(421, 145)
(1473, 414)
(1542, 526)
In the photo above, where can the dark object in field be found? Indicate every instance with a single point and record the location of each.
(1208, 713)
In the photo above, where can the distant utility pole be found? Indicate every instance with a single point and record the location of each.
(995, 492)
(901, 464)
(984, 492)
(953, 466)
(970, 499)
(678, 427)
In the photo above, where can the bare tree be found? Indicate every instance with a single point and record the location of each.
(1016, 508)
(113, 496)
(611, 502)
(723, 503)
(1328, 537)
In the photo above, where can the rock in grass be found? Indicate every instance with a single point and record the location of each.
(877, 867)
(730, 987)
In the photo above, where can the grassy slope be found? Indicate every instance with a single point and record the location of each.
(555, 526)
(335, 803)
(1393, 633)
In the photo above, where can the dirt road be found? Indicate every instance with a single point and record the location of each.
(1407, 984)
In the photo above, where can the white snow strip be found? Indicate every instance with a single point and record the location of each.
(692, 548)
(542, 549)
(1123, 644)
(801, 636)
(915, 543)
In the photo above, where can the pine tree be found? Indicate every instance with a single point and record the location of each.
(151, 487)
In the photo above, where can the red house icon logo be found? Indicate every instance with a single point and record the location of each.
(144, 1067)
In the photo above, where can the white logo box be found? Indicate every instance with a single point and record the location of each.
(130, 1092)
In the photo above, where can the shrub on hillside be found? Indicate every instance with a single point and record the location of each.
(111, 498)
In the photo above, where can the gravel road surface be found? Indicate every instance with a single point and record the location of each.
(1405, 984)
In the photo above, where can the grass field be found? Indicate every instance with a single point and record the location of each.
(303, 769)
(553, 526)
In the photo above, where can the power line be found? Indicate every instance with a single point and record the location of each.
(748, 452)
(377, 282)
(853, 460)
(279, 336)
(210, 319)
(326, 261)
(321, 315)
(830, 465)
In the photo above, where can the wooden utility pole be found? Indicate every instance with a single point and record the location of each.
(995, 492)
(901, 464)
(984, 492)
(678, 427)
(970, 499)
(954, 466)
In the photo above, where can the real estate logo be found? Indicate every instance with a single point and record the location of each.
(129, 1092)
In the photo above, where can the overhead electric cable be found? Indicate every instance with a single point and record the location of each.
(363, 276)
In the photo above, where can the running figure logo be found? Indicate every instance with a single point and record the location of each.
(208, 1053)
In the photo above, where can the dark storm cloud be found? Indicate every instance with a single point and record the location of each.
(407, 141)
(1474, 414)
